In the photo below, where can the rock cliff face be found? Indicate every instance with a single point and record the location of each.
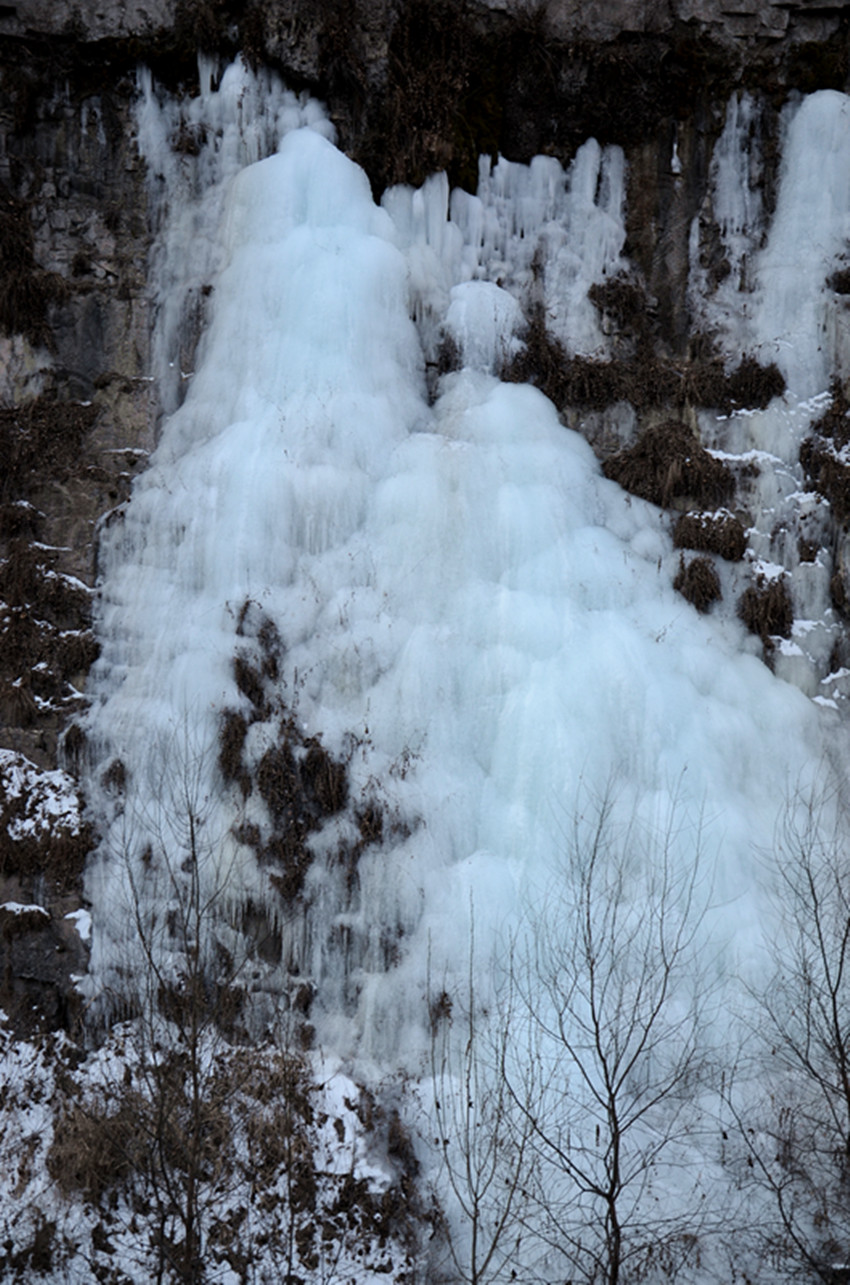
(412, 88)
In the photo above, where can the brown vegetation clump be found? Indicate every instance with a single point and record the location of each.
(828, 474)
(834, 423)
(840, 281)
(231, 742)
(325, 779)
(753, 385)
(698, 582)
(302, 784)
(750, 385)
(95, 1149)
(19, 518)
(766, 610)
(822, 454)
(667, 463)
(623, 303)
(644, 380)
(719, 533)
(40, 438)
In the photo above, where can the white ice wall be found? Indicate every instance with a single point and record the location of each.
(457, 585)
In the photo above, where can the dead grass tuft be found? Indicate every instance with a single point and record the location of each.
(840, 281)
(231, 742)
(753, 386)
(829, 475)
(766, 609)
(821, 455)
(19, 519)
(94, 1149)
(41, 438)
(249, 681)
(668, 463)
(711, 533)
(622, 303)
(698, 582)
(645, 380)
(325, 779)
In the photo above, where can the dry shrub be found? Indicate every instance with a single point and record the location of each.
(95, 1150)
(839, 598)
(76, 653)
(821, 454)
(645, 380)
(294, 862)
(449, 356)
(704, 383)
(544, 362)
(302, 785)
(711, 533)
(440, 1010)
(623, 302)
(278, 780)
(840, 281)
(114, 777)
(370, 822)
(41, 438)
(299, 780)
(249, 681)
(271, 649)
(766, 610)
(325, 779)
(753, 386)
(834, 423)
(231, 742)
(583, 381)
(828, 474)
(667, 463)
(750, 385)
(698, 582)
(19, 518)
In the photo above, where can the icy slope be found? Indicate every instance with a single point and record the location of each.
(456, 586)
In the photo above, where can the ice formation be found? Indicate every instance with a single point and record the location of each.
(461, 596)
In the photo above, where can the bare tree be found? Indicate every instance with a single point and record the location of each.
(203, 1134)
(181, 987)
(606, 1064)
(792, 1108)
(483, 1139)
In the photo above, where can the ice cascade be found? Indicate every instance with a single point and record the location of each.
(468, 612)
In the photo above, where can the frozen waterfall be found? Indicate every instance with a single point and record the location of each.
(469, 614)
